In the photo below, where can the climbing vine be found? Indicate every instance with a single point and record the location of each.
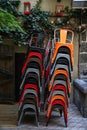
(37, 21)
(38, 4)
(10, 27)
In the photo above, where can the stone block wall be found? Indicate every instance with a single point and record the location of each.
(83, 59)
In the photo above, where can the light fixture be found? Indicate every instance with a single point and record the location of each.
(59, 10)
(27, 8)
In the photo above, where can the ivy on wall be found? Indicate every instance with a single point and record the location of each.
(37, 21)
(38, 4)
(75, 18)
(10, 27)
(10, 6)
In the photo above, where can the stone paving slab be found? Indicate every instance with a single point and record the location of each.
(75, 122)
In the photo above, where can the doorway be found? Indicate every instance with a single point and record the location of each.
(19, 61)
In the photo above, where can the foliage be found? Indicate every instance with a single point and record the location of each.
(10, 6)
(9, 25)
(37, 21)
(72, 19)
(76, 18)
(7, 20)
(38, 4)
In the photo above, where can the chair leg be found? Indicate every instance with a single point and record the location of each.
(47, 123)
(47, 120)
(20, 118)
(37, 123)
(65, 121)
(65, 124)
(60, 113)
(45, 106)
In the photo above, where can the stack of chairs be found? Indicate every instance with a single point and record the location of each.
(32, 71)
(60, 74)
(32, 83)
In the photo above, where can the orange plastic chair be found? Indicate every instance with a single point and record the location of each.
(59, 103)
(57, 46)
(55, 97)
(60, 71)
(58, 88)
(63, 35)
(57, 100)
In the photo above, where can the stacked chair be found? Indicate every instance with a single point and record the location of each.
(60, 74)
(47, 76)
(32, 84)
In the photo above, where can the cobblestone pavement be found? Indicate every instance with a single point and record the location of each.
(75, 122)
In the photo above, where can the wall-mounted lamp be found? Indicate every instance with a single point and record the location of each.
(59, 10)
(27, 8)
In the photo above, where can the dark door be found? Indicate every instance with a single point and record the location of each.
(19, 61)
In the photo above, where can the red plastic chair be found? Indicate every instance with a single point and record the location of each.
(30, 86)
(32, 54)
(58, 87)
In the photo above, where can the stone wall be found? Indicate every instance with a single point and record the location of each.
(83, 59)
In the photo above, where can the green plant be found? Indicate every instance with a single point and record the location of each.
(10, 27)
(73, 14)
(38, 4)
(7, 20)
(10, 6)
(37, 21)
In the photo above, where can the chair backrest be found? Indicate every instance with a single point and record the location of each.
(31, 54)
(64, 72)
(60, 45)
(60, 82)
(65, 58)
(30, 70)
(55, 98)
(63, 35)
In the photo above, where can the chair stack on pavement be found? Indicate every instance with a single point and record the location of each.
(33, 80)
(60, 74)
(32, 71)
(47, 77)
